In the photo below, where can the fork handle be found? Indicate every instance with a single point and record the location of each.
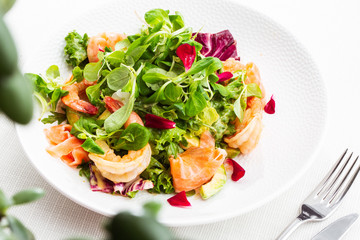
(292, 227)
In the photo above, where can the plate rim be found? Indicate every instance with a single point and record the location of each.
(236, 212)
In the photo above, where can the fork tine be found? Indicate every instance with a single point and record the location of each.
(334, 181)
(323, 183)
(333, 195)
(338, 196)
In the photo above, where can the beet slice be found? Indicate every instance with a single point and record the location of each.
(179, 200)
(270, 106)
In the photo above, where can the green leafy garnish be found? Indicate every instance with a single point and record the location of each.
(161, 177)
(53, 117)
(75, 49)
(135, 137)
(90, 146)
(84, 170)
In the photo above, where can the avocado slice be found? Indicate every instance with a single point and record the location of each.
(232, 152)
(72, 116)
(215, 185)
(104, 115)
(193, 141)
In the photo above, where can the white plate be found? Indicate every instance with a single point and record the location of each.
(289, 139)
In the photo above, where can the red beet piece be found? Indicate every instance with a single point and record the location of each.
(238, 171)
(179, 200)
(270, 106)
(224, 76)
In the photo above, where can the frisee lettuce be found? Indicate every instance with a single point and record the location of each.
(75, 49)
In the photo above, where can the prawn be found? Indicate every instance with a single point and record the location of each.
(126, 168)
(99, 42)
(73, 100)
(248, 131)
(197, 165)
(113, 105)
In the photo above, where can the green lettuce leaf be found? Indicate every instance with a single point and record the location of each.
(76, 48)
(160, 176)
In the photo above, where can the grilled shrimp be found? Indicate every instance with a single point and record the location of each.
(99, 42)
(249, 130)
(73, 100)
(126, 168)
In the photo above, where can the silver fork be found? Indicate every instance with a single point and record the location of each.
(328, 195)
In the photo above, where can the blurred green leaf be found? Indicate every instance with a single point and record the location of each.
(6, 236)
(27, 196)
(15, 97)
(77, 238)
(5, 203)
(19, 231)
(5, 5)
(8, 53)
(152, 209)
(127, 226)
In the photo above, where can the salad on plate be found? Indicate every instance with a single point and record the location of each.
(164, 110)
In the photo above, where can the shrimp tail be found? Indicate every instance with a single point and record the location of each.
(83, 106)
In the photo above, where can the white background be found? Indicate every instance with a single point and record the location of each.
(330, 30)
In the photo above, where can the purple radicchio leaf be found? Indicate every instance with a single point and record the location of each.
(98, 183)
(221, 45)
(135, 185)
(153, 121)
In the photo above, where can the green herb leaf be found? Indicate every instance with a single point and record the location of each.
(123, 45)
(118, 78)
(53, 117)
(135, 137)
(116, 58)
(90, 146)
(78, 74)
(85, 126)
(154, 77)
(55, 97)
(92, 70)
(238, 109)
(173, 93)
(53, 72)
(93, 93)
(39, 84)
(221, 89)
(156, 16)
(116, 120)
(253, 89)
(177, 21)
(136, 53)
(195, 104)
(209, 63)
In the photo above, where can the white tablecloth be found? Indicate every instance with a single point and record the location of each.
(330, 31)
